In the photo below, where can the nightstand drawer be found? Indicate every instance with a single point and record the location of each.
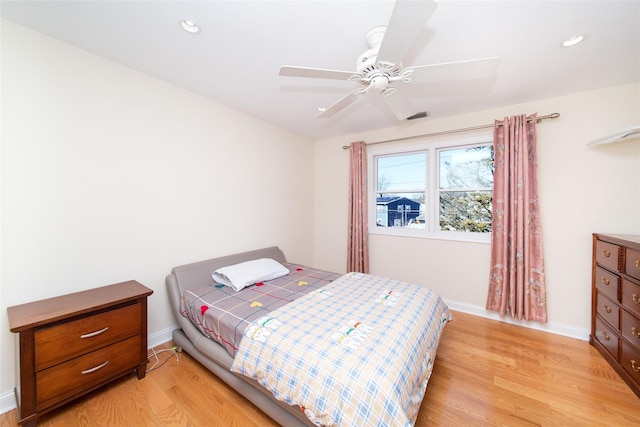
(608, 310)
(606, 337)
(632, 264)
(85, 372)
(607, 255)
(608, 283)
(64, 341)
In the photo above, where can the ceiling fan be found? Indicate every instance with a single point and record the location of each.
(380, 67)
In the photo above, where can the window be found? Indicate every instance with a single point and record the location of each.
(400, 184)
(437, 189)
(465, 185)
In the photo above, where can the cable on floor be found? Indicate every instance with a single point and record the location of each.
(158, 364)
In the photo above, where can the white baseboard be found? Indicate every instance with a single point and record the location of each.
(554, 328)
(7, 398)
(8, 402)
(161, 337)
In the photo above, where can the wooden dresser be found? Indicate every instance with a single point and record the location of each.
(75, 343)
(615, 307)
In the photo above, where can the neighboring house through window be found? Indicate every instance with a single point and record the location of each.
(433, 189)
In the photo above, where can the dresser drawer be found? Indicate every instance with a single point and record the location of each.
(632, 263)
(64, 341)
(631, 296)
(608, 283)
(630, 361)
(630, 327)
(605, 335)
(608, 255)
(82, 373)
(608, 310)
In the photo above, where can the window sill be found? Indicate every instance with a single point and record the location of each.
(421, 234)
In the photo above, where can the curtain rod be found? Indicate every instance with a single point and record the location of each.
(445, 132)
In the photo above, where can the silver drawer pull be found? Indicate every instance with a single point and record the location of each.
(88, 371)
(93, 334)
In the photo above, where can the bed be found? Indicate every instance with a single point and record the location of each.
(310, 347)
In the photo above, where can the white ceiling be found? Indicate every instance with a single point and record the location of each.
(236, 57)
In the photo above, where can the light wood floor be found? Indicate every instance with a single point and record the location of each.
(487, 373)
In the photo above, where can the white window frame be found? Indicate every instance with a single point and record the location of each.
(432, 224)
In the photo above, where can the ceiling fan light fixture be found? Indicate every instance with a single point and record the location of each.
(572, 41)
(189, 26)
(380, 83)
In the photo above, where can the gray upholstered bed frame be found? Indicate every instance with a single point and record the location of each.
(209, 353)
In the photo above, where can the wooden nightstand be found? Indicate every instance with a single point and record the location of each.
(75, 343)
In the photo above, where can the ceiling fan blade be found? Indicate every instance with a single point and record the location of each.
(317, 73)
(400, 106)
(342, 103)
(452, 71)
(406, 22)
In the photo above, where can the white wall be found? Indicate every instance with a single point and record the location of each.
(582, 190)
(110, 175)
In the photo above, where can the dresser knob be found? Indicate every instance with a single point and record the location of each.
(638, 263)
(605, 336)
(635, 298)
(606, 253)
(607, 309)
(634, 366)
(605, 281)
(635, 332)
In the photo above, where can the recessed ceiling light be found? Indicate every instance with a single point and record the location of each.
(189, 26)
(572, 41)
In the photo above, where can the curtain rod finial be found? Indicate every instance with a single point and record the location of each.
(548, 116)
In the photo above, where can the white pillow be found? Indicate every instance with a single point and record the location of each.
(239, 276)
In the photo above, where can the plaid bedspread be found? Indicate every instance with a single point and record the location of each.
(359, 352)
(222, 314)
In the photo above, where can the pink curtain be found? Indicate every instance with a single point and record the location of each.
(517, 283)
(358, 239)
